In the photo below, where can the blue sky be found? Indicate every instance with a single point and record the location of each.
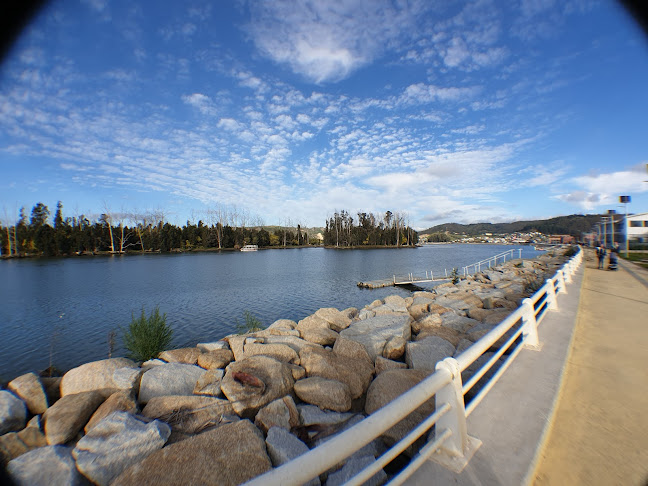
(446, 111)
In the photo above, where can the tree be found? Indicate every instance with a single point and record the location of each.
(39, 216)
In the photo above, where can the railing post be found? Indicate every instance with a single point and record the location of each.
(457, 449)
(530, 326)
(394, 279)
(562, 279)
(552, 302)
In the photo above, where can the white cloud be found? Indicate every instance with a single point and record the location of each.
(201, 102)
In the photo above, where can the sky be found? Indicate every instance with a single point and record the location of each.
(444, 111)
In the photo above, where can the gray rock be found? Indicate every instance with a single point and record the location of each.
(312, 415)
(394, 348)
(424, 354)
(13, 412)
(282, 324)
(188, 414)
(128, 379)
(336, 319)
(356, 373)
(30, 389)
(462, 346)
(365, 314)
(46, 466)
(457, 323)
(374, 448)
(281, 352)
(352, 467)
(283, 446)
(384, 364)
(206, 347)
(121, 401)
(169, 379)
(324, 337)
(217, 358)
(93, 376)
(209, 384)
(294, 342)
(181, 355)
(278, 413)
(374, 332)
(329, 394)
(117, 442)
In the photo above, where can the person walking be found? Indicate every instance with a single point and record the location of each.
(600, 253)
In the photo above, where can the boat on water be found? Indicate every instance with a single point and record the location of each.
(250, 248)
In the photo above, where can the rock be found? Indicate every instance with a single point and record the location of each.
(384, 364)
(30, 389)
(444, 289)
(209, 384)
(282, 324)
(313, 415)
(329, 394)
(188, 414)
(424, 354)
(374, 448)
(240, 383)
(13, 412)
(52, 388)
(373, 333)
(236, 345)
(283, 446)
(295, 342)
(458, 323)
(278, 413)
(297, 372)
(460, 301)
(356, 373)
(417, 311)
(228, 455)
(350, 312)
(280, 352)
(394, 348)
(65, 419)
(390, 385)
(396, 301)
(336, 319)
(494, 316)
(182, 355)
(207, 347)
(479, 331)
(169, 379)
(93, 376)
(46, 466)
(151, 363)
(115, 443)
(448, 334)
(462, 346)
(128, 379)
(390, 310)
(218, 358)
(352, 467)
(121, 401)
(324, 337)
(351, 349)
(312, 322)
(429, 321)
(366, 314)
(11, 447)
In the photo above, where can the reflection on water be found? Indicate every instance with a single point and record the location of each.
(69, 306)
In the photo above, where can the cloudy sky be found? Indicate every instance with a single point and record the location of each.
(449, 111)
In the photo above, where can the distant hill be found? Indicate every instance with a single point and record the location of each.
(574, 225)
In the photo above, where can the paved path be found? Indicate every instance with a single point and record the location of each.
(599, 434)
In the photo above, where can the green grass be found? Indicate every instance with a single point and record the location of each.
(146, 337)
(640, 258)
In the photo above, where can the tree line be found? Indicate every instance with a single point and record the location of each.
(119, 232)
(390, 229)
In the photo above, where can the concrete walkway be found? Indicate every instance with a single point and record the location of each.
(599, 434)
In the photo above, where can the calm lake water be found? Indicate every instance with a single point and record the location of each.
(68, 306)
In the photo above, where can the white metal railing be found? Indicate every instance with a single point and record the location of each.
(488, 262)
(451, 442)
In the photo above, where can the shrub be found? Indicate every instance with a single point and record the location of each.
(251, 324)
(146, 337)
(571, 251)
(455, 276)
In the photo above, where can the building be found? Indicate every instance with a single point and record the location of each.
(560, 239)
(637, 228)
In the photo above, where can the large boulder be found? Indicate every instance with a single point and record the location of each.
(121, 401)
(181, 355)
(65, 419)
(283, 447)
(384, 364)
(329, 394)
(30, 389)
(352, 467)
(93, 376)
(209, 384)
(446, 333)
(374, 332)
(323, 337)
(426, 322)
(457, 323)
(254, 382)
(217, 358)
(390, 385)
(336, 319)
(313, 415)
(13, 412)
(278, 413)
(225, 456)
(281, 352)
(424, 354)
(46, 466)
(356, 373)
(294, 342)
(169, 379)
(394, 348)
(188, 414)
(351, 349)
(207, 347)
(116, 443)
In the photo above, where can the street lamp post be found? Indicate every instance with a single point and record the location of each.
(625, 200)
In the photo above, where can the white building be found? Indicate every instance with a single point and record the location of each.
(638, 227)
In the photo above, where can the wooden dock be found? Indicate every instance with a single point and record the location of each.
(396, 280)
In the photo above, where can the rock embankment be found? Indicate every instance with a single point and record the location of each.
(226, 411)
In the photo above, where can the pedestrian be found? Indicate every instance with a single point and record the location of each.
(600, 253)
(613, 259)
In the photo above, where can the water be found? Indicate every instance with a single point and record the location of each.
(67, 307)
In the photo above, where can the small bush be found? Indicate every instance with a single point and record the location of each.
(571, 251)
(146, 337)
(251, 324)
(455, 276)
